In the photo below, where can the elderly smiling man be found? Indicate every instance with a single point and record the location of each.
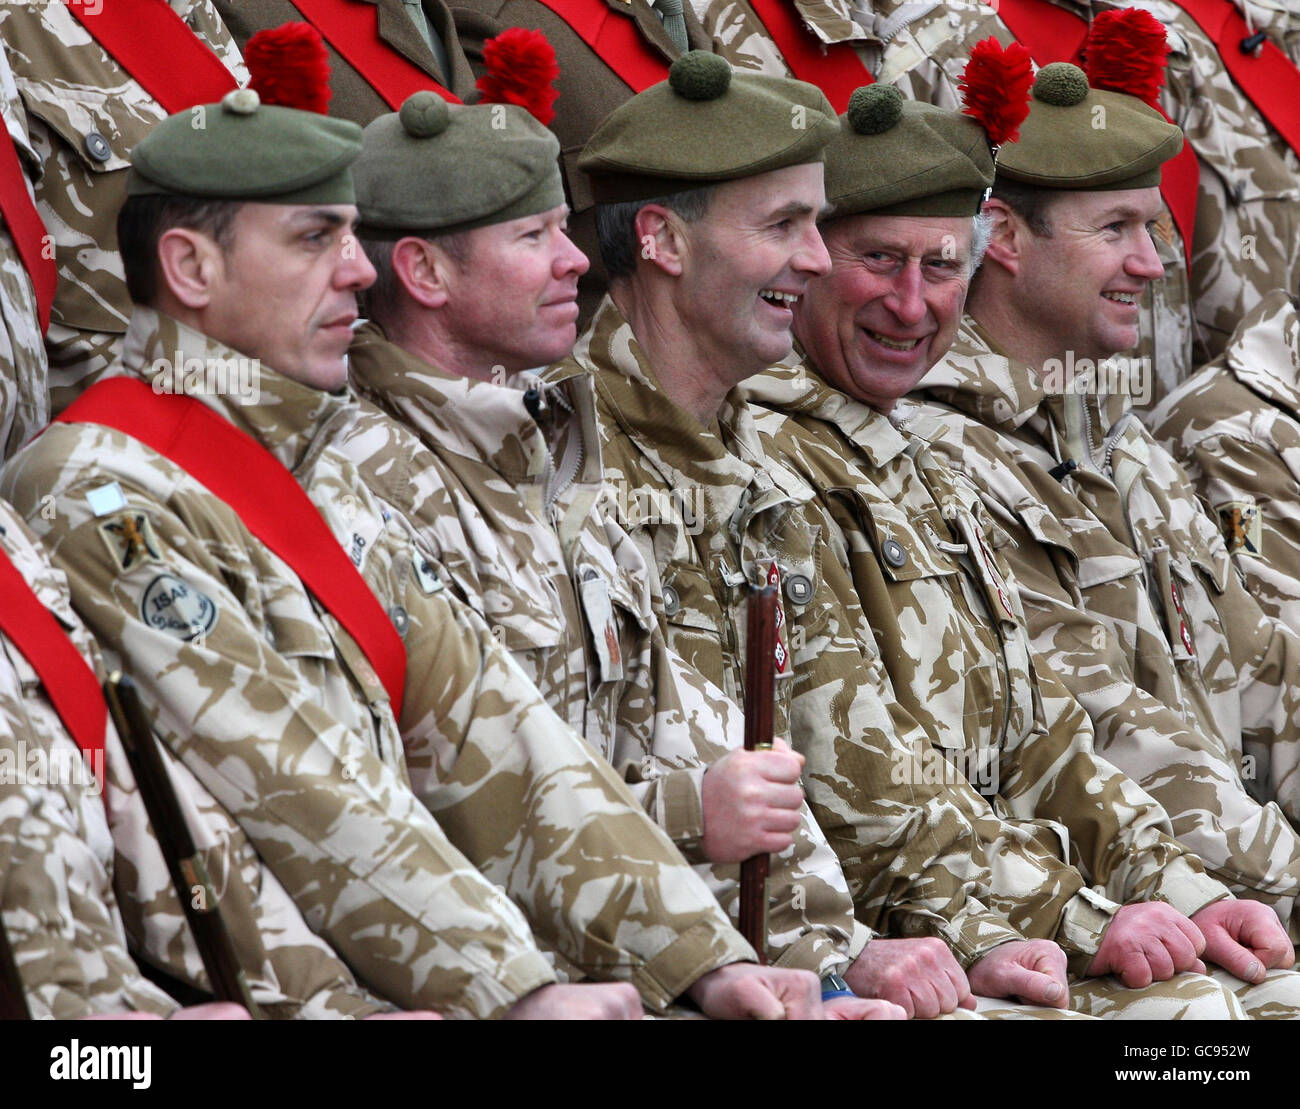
(942, 607)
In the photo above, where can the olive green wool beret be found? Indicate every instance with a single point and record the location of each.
(241, 149)
(705, 124)
(897, 157)
(435, 166)
(1077, 137)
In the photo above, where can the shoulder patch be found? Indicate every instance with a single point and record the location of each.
(173, 606)
(1242, 526)
(130, 539)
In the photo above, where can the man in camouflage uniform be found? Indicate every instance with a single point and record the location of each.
(711, 514)
(85, 113)
(944, 614)
(1235, 427)
(277, 710)
(510, 510)
(1127, 588)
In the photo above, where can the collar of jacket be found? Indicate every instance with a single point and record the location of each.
(977, 378)
(732, 470)
(835, 21)
(291, 420)
(1264, 352)
(794, 387)
(479, 420)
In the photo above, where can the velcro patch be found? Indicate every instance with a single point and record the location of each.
(130, 540)
(173, 606)
(1242, 524)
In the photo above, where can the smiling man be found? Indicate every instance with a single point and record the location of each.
(501, 478)
(1128, 590)
(942, 606)
(379, 748)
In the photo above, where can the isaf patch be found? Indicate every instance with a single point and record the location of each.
(130, 540)
(173, 606)
(1242, 524)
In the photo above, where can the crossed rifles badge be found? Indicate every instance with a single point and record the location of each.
(1241, 522)
(130, 539)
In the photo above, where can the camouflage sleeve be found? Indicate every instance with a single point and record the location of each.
(292, 972)
(913, 858)
(334, 819)
(59, 911)
(1247, 843)
(1253, 488)
(509, 781)
(1118, 836)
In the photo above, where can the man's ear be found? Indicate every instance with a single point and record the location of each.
(423, 270)
(661, 235)
(1008, 237)
(188, 263)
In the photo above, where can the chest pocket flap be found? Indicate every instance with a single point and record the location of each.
(901, 544)
(1105, 560)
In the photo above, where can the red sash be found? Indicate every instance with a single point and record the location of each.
(26, 227)
(153, 44)
(238, 470)
(69, 682)
(1051, 34)
(834, 68)
(352, 28)
(1267, 76)
(615, 39)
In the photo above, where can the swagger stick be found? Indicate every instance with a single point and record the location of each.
(760, 673)
(189, 875)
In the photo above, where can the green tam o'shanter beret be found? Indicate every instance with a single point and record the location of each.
(898, 157)
(242, 149)
(435, 166)
(1079, 137)
(703, 125)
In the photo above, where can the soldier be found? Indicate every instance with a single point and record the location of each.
(86, 109)
(1235, 427)
(336, 720)
(476, 287)
(1128, 590)
(639, 40)
(904, 180)
(709, 233)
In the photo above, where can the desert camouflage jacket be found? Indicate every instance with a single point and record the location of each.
(24, 392)
(922, 48)
(1235, 427)
(85, 113)
(62, 859)
(946, 618)
(510, 515)
(1132, 599)
(712, 516)
(275, 709)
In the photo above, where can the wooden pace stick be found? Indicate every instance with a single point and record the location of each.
(189, 875)
(760, 675)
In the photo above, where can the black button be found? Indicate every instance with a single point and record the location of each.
(798, 588)
(894, 553)
(671, 601)
(97, 147)
(401, 621)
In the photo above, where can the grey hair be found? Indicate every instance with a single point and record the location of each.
(981, 235)
(616, 225)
